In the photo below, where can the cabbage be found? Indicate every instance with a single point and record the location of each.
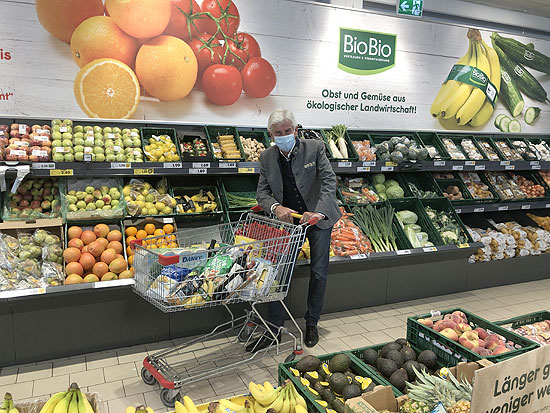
(422, 237)
(396, 156)
(395, 192)
(407, 217)
(378, 179)
(391, 182)
(411, 235)
(415, 227)
(380, 189)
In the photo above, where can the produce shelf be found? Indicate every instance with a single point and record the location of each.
(525, 319)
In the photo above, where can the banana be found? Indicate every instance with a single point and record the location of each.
(291, 401)
(189, 405)
(247, 408)
(258, 408)
(300, 401)
(263, 397)
(52, 401)
(73, 405)
(6, 404)
(277, 404)
(486, 111)
(268, 386)
(84, 405)
(300, 409)
(139, 409)
(228, 404)
(477, 97)
(286, 405)
(180, 408)
(450, 87)
(63, 405)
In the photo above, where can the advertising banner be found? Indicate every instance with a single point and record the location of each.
(234, 61)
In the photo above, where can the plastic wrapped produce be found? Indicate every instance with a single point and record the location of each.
(506, 188)
(509, 154)
(489, 151)
(453, 151)
(475, 185)
(471, 150)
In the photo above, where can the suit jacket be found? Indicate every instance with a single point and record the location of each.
(314, 177)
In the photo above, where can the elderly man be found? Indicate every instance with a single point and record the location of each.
(296, 177)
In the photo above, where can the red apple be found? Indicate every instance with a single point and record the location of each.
(469, 340)
(500, 349)
(449, 333)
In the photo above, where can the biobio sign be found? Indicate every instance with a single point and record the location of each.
(366, 53)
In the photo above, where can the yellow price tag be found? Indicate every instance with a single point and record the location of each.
(146, 171)
(391, 164)
(61, 172)
(465, 245)
(246, 170)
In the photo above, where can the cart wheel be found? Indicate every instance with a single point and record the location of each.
(290, 357)
(245, 333)
(167, 398)
(147, 377)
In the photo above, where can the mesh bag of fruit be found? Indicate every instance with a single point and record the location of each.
(33, 199)
(97, 198)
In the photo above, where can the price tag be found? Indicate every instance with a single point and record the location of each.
(458, 210)
(344, 164)
(87, 157)
(120, 165)
(470, 163)
(62, 129)
(20, 143)
(198, 171)
(458, 167)
(43, 131)
(168, 220)
(465, 245)
(369, 163)
(403, 252)
(479, 209)
(535, 167)
(510, 167)
(246, 170)
(533, 163)
(90, 132)
(43, 165)
(358, 256)
(17, 152)
(503, 208)
(429, 249)
(227, 165)
(132, 134)
(391, 164)
(23, 129)
(61, 149)
(145, 171)
(387, 168)
(439, 163)
(117, 148)
(42, 138)
(526, 207)
(61, 172)
(110, 136)
(363, 169)
(547, 206)
(480, 167)
(174, 165)
(504, 163)
(90, 139)
(199, 165)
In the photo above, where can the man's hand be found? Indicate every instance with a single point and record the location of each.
(308, 216)
(284, 213)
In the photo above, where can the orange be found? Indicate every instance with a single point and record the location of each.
(140, 18)
(158, 232)
(166, 68)
(141, 234)
(149, 228)
(130, 238)
(130, 260)
(168, 228)
(131, 231)
(172, 245)
(99, 37)
(129, 251)
(62, 17)
(107, 88)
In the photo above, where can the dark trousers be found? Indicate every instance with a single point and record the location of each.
(319, 243)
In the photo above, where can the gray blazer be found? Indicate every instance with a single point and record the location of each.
(314, 177)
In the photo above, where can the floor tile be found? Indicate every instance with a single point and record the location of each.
(122, 371)
(34, 372)
(377, 337)
(352, 329)
(333, 345)
(396, 332)
(8, 375)
(199, 390)
(162, 345)
(100, 360)
(357, 341)
(19, 390)
(120, 405)
(135, 385)
(258, 376)
(88, 378)
(69, 366)
(50, 385)
(226, 384)
(330, 332)
(152, 399)
(109, 391)
(372, 325)
(132, 354)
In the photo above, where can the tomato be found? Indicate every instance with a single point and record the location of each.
(236, 56)
(222, 84)
(178, 21)
(223, 9)
(208, 51)
(259, 78)
(250, 44)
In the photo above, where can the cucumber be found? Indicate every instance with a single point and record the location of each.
(524, 54)
(531, 114)
(498, 119)
(514, 126)
(524, 80)
(505, 121)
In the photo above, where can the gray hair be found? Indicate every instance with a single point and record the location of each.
(279, 116)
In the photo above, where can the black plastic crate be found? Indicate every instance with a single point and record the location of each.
(431, 139)
(489, 148)
(445, 205)
(456, 181)
(239, 185)
(147, 133)
(483, 180)
(423, 181)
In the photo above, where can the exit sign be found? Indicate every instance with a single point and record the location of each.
(410, 7)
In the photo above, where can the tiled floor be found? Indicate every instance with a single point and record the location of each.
(115, 374)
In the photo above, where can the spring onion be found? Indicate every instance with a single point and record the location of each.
(376, 223)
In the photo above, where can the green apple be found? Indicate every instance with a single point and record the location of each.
(58, 157)
(79, 128)
(56, 144)
(98, 149)
(79, 142)
(109, 143)
(78, 135)
(118, 142)
(67, 143)
(116, 129)
(100, 143)
(81, 204)
(79, 156)
(72, 192)
(68, 157)
(88, 128)
(99, 203)
(90, 207)
(136, 142)
(134, 130)
(89, 189)
(98, 135)
(114, 203)
(110, 157)
(56, 122)
(99, 157)
(56, 136)
(68, 122)
(78, 148)
(98, 129)
(127, 142)
(67, 135)
(107, 129)
(120, 157)
(72, 208)
(55, 128)
(106, 207)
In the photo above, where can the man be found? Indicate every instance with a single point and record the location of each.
(296, 177)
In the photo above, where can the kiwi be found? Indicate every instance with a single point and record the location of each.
(390, 346)
(370, 356)
(397, 357)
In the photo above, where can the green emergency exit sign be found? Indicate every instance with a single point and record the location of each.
(410, 7)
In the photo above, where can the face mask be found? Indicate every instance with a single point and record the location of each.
(285, 143)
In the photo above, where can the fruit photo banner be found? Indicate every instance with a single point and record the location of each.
(234, 61)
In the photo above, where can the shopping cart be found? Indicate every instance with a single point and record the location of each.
(247, 261)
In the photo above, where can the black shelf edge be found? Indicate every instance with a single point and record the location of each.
(503, 206)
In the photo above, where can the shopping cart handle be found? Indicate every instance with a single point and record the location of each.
(256, 208)
(135, 242)
(312, 221)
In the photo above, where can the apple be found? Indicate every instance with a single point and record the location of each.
(69, 157)
(500, 349)
(483, 352)
(427, 322)
(461, 315)
(110, 157)
(79, 128)
(45, 204)
(449, 333)
(78, 135)
(81, 204)
(98, 129)
(481, 343)
(100, 157)
(469, 339)
(492, 342)
(482, 333)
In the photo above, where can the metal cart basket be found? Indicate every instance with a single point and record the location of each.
(248, 261)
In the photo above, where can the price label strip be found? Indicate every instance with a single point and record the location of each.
(246, 170)
(144, 171)
(227, 165)
(61, 172)
(194, 171)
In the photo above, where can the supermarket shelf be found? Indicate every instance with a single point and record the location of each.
(503, 206)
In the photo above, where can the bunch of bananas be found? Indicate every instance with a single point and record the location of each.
(283, 399)
(7, 406)
(465, 103)
(70, 401)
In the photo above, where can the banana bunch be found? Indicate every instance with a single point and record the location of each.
(7, 406)
(283, 399)
(70, 401)
(139, 409)
(465, 103)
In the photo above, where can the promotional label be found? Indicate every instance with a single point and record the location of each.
(366, 53)
(475, 77)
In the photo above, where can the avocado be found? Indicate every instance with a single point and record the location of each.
(351, 391)
(308, 363)
(408, 367)
(374, 368)
(386, 367)
(370, 356)
(399, 379)
(313, 393)
(428, 358)
(402, 342)
(370, 387)
(318, 387)
(337, 382)
(390, 346)
(323, 371)
(338, 405)
(295, 372)
(339, 363)
(408, 353)
(328, 396)
(422, 367)
(396, 356)
(312, 376)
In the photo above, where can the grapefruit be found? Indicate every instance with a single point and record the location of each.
(100, 268)
(73, 279)
(91, 278)
(74, 232)
(149, 229)
(96, 248)
(131, 231)
(62, 17)
(101, 230)
(108, 255)
(99, 37)
(141, 234)
(74, 268)
(71, 254)
(87, 261)
(117, 246)
(103, 241)
(118, 265)
(168, 228)
(109, 276)
(114, 235)
(76, 243)
(88, 237)
(140, 18)
(126, 274)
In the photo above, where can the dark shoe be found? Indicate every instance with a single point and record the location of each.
(264, 341)
(312, 336)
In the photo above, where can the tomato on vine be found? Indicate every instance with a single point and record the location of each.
(184, 21)
(249, 43)
(222, 84)
(259, 78)
(238, 56)
(225, 19)
(208, 51)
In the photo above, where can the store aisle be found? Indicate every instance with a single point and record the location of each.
(115, 374)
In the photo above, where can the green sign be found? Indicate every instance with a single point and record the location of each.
(477, 78)
(410, 7)
(366, 53)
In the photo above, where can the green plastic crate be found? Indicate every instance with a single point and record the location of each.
(352, 154)
(350, 202)
(213, 131)
(259, 135)
(466, 197)
(483, 179)
(538, 180)
(507, 144)
(356, 136)
(431, 138)
(488, 146)
(425, 338)
(457, 140)
(445, 205)
(415, 206)
(356, 366)
(522, 151)
(192, 190)
(423, 181)
(244, 186)
(379, 137)
(522, 320)
(147, 133)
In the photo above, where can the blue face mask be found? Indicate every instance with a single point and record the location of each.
(285, 143)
